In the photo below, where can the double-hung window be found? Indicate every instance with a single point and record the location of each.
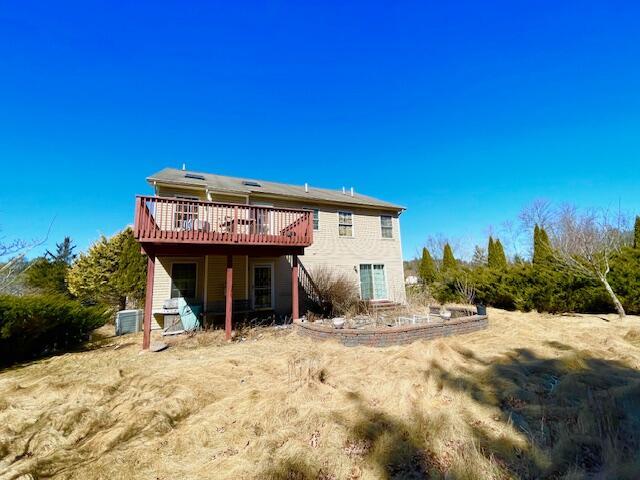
(316, 219)
(345, 224)
(386, 226)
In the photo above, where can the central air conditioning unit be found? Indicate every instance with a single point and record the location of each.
(129, 321)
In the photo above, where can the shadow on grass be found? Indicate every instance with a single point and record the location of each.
(577, 417)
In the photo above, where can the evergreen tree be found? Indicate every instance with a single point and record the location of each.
(47, 276)
(448, 260)
(496, 257)
(541, 245)
(636, 233)
(501, 258)
(479, 258)
(490, 251)
(110, 271)
(427, 268)
(48, 273)
(64, 252)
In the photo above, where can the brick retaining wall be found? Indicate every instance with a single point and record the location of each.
(385, 336)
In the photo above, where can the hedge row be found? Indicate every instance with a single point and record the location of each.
(545, 288)
(32, 326)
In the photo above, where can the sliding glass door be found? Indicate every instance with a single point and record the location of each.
(373, 282)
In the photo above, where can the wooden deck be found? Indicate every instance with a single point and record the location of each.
(163, 220)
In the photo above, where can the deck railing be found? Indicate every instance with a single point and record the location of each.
(175, 220)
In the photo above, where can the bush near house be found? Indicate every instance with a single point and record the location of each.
(36, 325)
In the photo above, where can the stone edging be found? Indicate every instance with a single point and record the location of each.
(386, 336)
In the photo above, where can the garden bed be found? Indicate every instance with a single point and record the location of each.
(385, 330)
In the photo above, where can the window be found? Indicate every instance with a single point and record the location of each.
(185, 214)
(345, 224)
(316, 219)
(183, 280)
(386, 225)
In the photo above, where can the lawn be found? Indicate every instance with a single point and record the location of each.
(532, 396)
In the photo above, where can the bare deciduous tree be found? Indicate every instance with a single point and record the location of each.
(15, 251)
(584, 243)
(465, 289)
(539, 212)
(436, 243)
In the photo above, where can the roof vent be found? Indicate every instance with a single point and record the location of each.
(194, 176)
(352, 191)
(344, 191)
(251, 183)
(184, 166)
(306, 187)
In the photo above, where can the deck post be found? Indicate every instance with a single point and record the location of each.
(295, 307)
(148, 303)
(229, 299)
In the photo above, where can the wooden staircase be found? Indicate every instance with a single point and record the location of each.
(309, 290)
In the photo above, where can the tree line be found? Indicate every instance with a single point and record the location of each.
(53, 302)
(580, 262)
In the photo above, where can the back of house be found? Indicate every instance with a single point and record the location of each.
(212, 238)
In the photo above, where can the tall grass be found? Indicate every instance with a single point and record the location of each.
(533, 396)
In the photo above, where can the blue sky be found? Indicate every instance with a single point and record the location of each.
(462, 112)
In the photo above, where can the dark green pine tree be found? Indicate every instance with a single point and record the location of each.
(501, 258)
(490, 251)
(496, 256)
(427, 268)
(541, 245)
(636, 233)
(64, 252)
(448, 260)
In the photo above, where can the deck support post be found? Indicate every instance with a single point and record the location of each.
(295, 306)
(148, 303)
(229, 299)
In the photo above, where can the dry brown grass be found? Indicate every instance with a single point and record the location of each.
(531, 396)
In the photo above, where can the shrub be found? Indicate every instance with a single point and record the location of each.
(337, 292)
(32, 326)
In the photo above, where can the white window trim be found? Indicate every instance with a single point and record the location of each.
(353, 224)
(381, 227)
(182, 262)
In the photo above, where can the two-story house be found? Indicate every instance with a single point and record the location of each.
(238, 245)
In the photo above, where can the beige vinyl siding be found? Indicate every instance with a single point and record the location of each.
(162, 278)
(217, 278)
(226, 198)
(345, 254)
(181, 192)
(366, 246)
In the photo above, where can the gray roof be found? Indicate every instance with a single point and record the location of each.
(220, 183)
